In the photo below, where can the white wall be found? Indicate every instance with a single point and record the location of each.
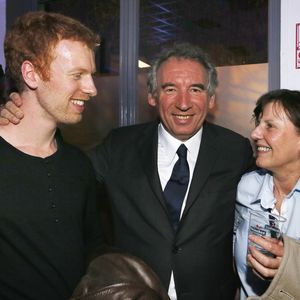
(289, 73)
(2, 29)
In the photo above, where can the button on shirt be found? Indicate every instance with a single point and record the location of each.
(166, 159)
(255, 192)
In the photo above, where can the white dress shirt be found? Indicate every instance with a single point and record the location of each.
(255, 192)
(166, 159)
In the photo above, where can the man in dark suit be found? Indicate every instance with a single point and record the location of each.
(191, 255)
(135, 163)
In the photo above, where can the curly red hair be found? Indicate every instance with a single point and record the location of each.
(34, 36)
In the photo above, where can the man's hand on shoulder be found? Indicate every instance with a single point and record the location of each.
(11, 112)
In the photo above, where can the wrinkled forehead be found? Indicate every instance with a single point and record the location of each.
(176, 68)
(179, 62)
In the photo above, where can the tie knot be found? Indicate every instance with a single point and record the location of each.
(181, 151)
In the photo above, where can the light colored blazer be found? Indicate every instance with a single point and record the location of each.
(286, 283)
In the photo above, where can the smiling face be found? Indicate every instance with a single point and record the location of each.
(277, 140)
(63, 97)
(181, 97)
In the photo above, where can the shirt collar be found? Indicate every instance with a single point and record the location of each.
(296, 189)
(170, 144)
(266, 196)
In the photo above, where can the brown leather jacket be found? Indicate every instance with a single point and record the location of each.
(286, 283)
(118, 276)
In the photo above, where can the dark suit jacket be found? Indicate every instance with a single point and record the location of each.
(200, 253)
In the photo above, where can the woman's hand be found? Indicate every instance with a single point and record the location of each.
(263, 265)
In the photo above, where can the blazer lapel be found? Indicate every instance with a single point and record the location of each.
(147, 147)
(207, 157)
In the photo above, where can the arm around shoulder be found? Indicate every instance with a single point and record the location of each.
(100, 158)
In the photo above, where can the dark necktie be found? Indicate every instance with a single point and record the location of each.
(177, 185)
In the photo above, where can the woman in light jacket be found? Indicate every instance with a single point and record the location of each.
(274, 187)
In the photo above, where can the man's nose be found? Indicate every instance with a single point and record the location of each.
(183, 100)
(88, 86)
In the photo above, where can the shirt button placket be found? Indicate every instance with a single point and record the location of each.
(51, 191)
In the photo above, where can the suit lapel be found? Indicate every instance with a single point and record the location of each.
(148, 155)
(208, 153)
(207, 157)
(147, 147)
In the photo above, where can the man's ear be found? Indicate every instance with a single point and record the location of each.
(212, 102)
(152, 101)
(29, 74)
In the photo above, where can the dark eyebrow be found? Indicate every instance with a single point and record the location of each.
(167, 84)
(199, 85)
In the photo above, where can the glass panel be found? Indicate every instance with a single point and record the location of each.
(233, 32)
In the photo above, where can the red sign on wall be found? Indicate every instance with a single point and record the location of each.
(298, 46)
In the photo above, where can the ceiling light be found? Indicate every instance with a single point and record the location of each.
(143, 64)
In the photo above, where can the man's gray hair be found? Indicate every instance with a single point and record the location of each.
(184, 51)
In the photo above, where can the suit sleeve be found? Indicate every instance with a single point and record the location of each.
(100, 158)
(249, 157)
(93, 229)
